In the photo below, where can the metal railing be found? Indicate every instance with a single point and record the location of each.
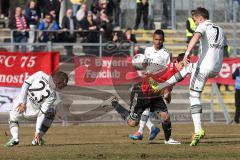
(103, 48)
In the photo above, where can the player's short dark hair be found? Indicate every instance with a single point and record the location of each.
(180, 57)
(60, 76)
(159, 32)
(201, 12)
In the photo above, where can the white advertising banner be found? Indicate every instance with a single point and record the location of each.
(7, 94)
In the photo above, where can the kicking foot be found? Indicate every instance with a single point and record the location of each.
(196, 137)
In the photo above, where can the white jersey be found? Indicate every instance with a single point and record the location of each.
(41, 92)
(161, 57)
(212, 46)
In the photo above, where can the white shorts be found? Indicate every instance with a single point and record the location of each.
(199, 77)
(31, 112)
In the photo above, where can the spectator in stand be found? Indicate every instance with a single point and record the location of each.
(69, 24)
(105, 26)
(76, 4)
(32, 17)
(19, 22)
(82, 12)
(89, 24)
(142, 10)
(190, 30)
(130, 37)
(94, 7)
(114, 7)
(47, 25)
(51, 5)
(116, 37)
(99, 6)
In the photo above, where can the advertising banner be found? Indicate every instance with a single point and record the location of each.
(93, 71)
(16, 67)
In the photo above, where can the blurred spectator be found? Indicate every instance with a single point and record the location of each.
(89, 24)
(94, 7)
(105, 26)
(114, 7)
(166, 14)
(99, 6)
(69, 22)
(5, 7)
(116, 37)
(130, 37)
(236, 77)
(190, 29)
(47, 24)
(48, 6)
(32, 17)
(82, 12)
(76, 4)
(103, 6)
(19, 22)
(141, 11)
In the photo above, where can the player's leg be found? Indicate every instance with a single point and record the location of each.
(138, 104)
(139, 134)
(44, 121)
(152, 128)
(179, 76)
(197, 82)
(161, 108)
(13, 125)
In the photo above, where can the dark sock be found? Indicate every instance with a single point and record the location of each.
(167, 128)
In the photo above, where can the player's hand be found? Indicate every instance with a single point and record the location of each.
(21, 108)
(186, 61)
(153, 84)
(37, 138)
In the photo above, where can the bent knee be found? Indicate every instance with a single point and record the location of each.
(165, 116)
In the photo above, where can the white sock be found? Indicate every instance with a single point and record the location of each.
(149, 124)
(141, 126)
(197, 122)
(14, 132)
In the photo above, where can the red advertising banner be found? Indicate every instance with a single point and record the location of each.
(16, 67)
(92, 71)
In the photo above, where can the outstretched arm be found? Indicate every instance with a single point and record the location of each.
(191, 45)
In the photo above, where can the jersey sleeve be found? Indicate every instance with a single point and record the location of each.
(201, 29)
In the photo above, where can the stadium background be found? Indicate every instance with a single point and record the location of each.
(169, 15)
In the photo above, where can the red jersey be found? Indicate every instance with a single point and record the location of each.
(162, 77)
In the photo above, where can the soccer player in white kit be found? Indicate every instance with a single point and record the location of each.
(35, 101)
(212, 40)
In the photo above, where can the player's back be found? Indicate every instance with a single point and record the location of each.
(212, 46)
(41, 88)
